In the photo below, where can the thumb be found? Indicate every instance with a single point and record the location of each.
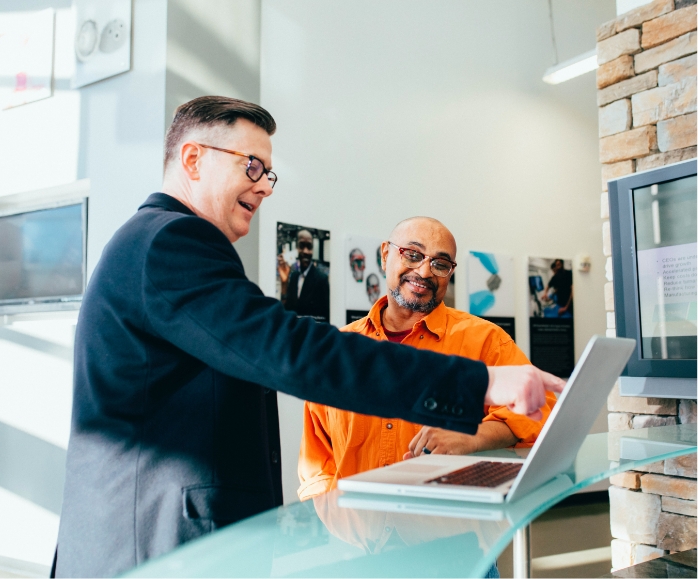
(407, 456)
(537, 415)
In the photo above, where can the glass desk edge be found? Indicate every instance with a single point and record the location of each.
(173, 564)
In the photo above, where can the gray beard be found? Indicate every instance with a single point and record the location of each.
(414, 305)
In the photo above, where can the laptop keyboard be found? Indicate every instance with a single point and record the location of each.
(481, 474)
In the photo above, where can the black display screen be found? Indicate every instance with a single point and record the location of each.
(42, 254)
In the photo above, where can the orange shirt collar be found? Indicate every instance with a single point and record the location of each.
(435, 322)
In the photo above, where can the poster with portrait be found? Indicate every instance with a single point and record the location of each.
(364, 277)
(102, 40)
(551, 314)
(26, 57)
(303, 270)
(491, 289)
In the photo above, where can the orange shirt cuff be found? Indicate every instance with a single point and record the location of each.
(315, 486)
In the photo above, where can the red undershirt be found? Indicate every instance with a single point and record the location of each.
(396, 336)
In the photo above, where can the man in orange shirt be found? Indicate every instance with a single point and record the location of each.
(419, 261)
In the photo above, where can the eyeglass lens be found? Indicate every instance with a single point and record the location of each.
(413, 259)
(255, 170)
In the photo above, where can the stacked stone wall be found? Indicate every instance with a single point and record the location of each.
(646, 95)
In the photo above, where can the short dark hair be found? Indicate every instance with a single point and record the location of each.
(211, 111)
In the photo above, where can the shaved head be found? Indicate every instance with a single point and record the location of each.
(420, 226)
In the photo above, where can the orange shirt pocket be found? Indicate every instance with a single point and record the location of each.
(347, 429)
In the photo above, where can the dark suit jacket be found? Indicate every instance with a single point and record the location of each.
(315, 295)
(175, 429)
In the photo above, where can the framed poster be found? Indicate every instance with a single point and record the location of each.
(102, 39)
(364, 278)
(491, 289)
(303, 270)
(551, 314)
(26, 57)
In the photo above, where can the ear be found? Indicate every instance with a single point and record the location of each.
(190, 157)
(385, 246)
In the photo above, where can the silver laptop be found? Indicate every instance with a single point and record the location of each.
(496, 480)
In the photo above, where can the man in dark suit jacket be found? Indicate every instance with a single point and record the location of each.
(177, 355)
(313, 297)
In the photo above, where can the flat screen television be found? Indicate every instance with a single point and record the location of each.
(42, 259)
(653, 238)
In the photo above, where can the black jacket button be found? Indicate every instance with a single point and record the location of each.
(457, 410)
(274, 457)
(430, 404)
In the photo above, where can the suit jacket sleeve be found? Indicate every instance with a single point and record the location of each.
(197, 297)
(291, 302)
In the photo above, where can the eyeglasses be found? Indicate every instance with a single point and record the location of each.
(439, 266)
(255, 168)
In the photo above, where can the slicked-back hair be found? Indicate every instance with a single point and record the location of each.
(209, 111)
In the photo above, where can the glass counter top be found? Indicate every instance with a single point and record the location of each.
(342, 534)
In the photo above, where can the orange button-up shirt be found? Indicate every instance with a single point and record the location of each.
(337, 443)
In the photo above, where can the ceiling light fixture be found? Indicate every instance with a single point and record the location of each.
(571, 68)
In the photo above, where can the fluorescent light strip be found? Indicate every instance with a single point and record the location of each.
(571, 68)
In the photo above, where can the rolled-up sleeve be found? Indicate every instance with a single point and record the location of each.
(316, 464)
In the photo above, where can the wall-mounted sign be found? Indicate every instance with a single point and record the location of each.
(102, 39)
(491, 289)
(26, 57)
(551, 314)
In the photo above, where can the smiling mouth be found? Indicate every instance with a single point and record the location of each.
(419, 285)
(247, 206)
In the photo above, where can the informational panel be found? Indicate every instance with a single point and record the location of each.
(491, 289)
(102, 39)
(364, 277)
(303, 270)
(551, 311)
(665, 228)
(26, 57)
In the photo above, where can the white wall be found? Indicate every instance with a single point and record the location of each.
(398, 108)
(39, 142)
(110, 132)
(213, 49)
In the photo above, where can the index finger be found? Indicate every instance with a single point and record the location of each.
(414, 440)
(552, 383)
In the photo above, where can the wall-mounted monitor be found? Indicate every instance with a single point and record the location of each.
(42, 259)
(653, 237)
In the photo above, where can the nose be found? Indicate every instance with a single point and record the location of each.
(264, 186)
(424, 268)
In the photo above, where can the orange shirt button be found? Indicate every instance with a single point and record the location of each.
(389, 426)
(421, 337)
(378, 333)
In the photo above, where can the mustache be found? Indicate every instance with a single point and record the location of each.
(419, 279)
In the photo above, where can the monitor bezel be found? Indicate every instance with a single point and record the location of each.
(50, 303)
(625, 275)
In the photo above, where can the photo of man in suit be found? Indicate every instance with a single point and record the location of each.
(305, 288)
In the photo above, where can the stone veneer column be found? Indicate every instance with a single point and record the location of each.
(647, 119)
